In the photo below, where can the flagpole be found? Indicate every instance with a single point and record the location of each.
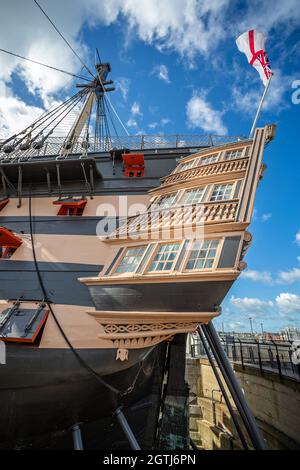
(259, 108)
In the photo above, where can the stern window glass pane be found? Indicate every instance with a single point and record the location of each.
(165, 257)
(222, 192)
(167, 200)
(202, 255)
(131, 260)
(209, 159)
(233, 154)
(186, 166)
(192, 196)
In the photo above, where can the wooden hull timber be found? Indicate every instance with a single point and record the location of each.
(117, 323)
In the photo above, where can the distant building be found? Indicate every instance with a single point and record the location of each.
(290, 333)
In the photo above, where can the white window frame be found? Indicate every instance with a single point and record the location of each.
(146, 269)
(207, 157)
(190, 249)
(233, 151)
(234, 183)
(156, 202)
(179, 201)
(220, 158)
(190, 162)
(179, 166)
(114, 271)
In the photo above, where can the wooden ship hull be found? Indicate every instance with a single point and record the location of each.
(90, 302)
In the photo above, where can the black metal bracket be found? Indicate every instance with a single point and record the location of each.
(19, 186)
(126, 429)
(233, 386)
(6, 182)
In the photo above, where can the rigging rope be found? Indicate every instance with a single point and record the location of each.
(118, 117)
(84, 364)
(61, 35)
(44, 65)
(110, 103)
(27, 133)
(43, 289)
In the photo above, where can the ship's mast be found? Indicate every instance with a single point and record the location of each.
(91, 109)
(96, 90)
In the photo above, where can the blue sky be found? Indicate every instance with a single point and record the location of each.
(177, 70)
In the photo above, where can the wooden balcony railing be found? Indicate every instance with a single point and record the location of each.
(181, 216)
(211, 169)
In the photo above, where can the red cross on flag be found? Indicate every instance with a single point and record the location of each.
(252, 43)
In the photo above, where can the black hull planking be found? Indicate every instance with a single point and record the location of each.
(196, 296)
(47, 390)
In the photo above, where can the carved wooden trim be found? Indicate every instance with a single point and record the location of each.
(211, 169)
(217, 149)
(217, 274)
(180, 216)
(136, 330)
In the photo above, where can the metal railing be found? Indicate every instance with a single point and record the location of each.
(53, 145)
(267, 357)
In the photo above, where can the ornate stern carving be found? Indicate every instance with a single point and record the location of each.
(246, 243)
(136, 330)
(270, 132)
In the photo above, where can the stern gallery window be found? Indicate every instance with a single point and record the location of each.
(164, 257)
(202, 254)
(130, 260)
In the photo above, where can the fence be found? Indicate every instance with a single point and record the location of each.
(269, 356)
(53, 145)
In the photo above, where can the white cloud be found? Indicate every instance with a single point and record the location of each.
(288, 277)
(162, 72)
(26, 31)
(283, 277)
(153, 125)
(161, 123)
(192, 27)
(34, 37)
(165, 121)
(132, 123)
(251, 305)
(288, 303)
(298, 237)
(122, 84)
(15, 115)
(284, 304)
(135, 109)
(247, 99)
(236, 325)
(265, 16)
(201, 114)
(189, 27)
(261, 276)
(266, 217)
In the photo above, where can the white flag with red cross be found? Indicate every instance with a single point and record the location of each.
(252, 43)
